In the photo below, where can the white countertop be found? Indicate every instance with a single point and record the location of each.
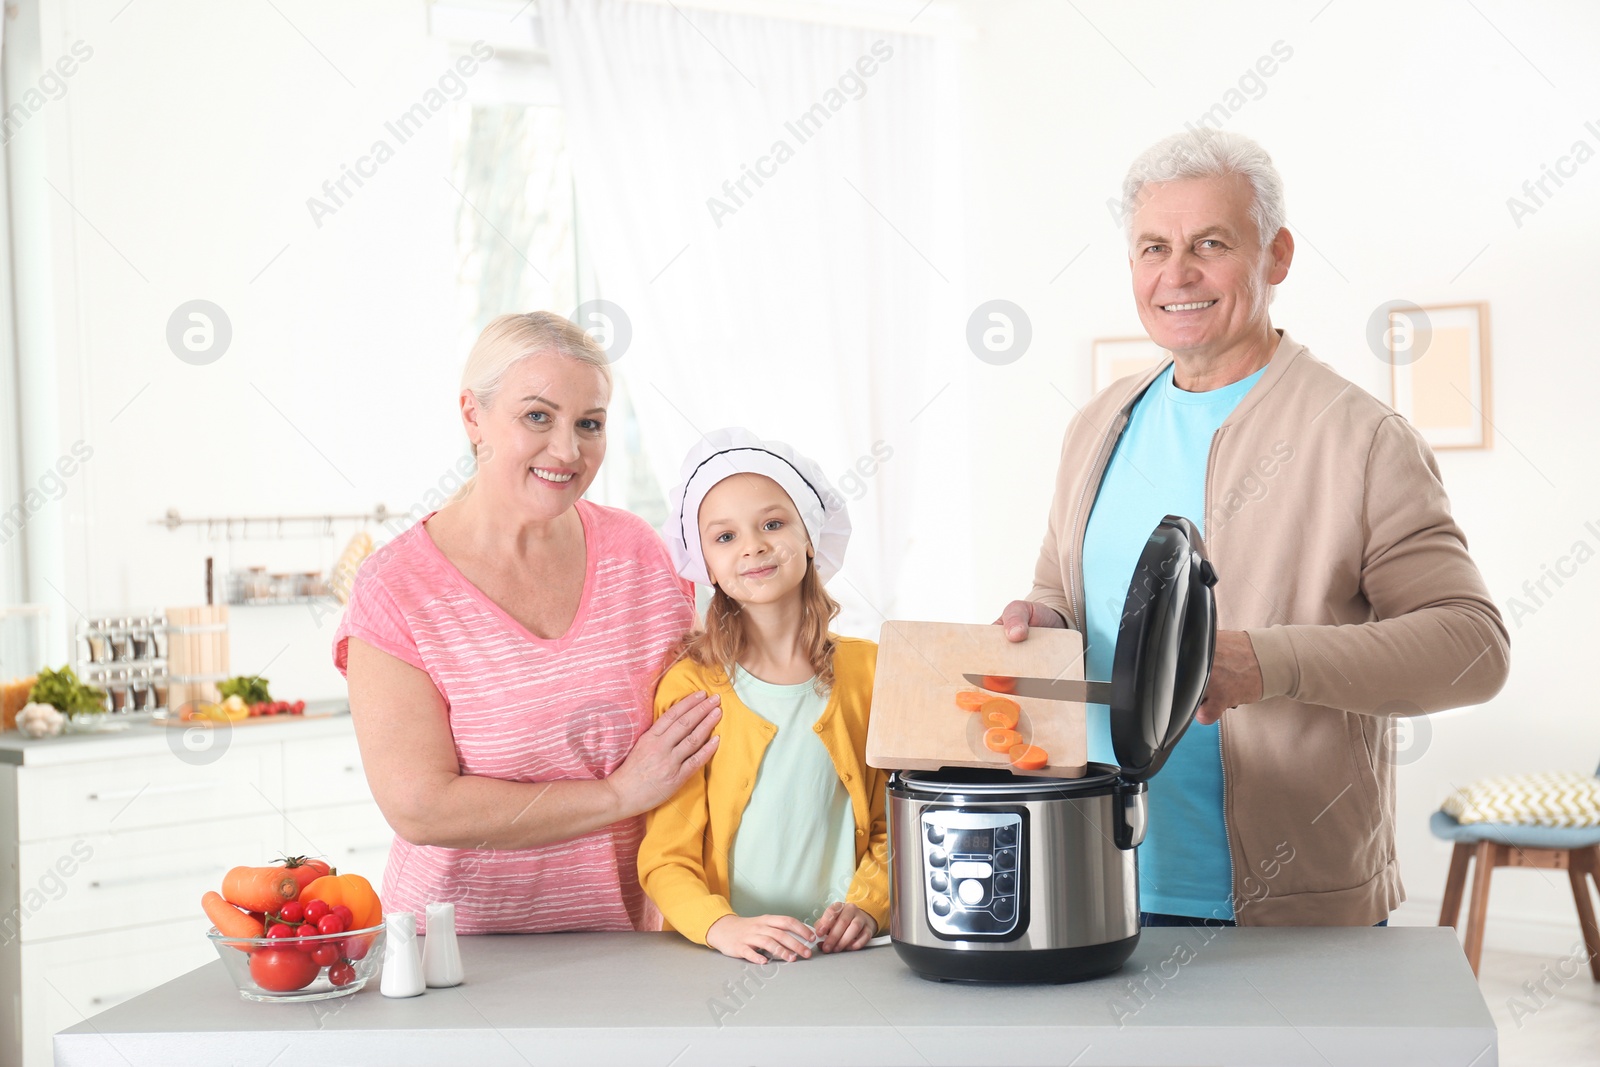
(1280, 996)
(143, 736)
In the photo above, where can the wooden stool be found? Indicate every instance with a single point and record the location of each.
(1576, 851)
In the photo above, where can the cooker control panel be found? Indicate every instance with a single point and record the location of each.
(972, 866)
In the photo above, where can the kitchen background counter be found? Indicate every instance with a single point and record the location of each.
(115, 835)
(1244, 996)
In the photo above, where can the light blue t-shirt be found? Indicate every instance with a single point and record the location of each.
(1159, 469)
(796, 849)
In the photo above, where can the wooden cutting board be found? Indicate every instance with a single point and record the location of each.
(916, 724)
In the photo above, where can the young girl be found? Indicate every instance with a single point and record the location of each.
(779, 844)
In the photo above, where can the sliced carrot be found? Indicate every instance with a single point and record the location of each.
(1029, 757)
(999, 683)
(1000, 739)
(998, 711)
(229, 920)
(971, 699)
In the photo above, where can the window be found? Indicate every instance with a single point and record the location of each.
(519, 245)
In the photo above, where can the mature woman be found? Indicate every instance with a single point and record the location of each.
(502, 656)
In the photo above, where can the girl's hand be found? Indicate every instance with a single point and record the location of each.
(845, 928)
(761, 938)
(676, 746)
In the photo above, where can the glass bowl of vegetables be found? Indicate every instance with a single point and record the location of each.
(293, 963)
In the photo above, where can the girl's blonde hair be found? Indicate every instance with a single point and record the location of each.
(509, 340)
(720, 643)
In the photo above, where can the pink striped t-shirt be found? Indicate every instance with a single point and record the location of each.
(526, 709)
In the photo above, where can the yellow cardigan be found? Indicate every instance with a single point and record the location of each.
(683, 859)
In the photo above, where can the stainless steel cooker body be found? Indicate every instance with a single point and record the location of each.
(998, 877)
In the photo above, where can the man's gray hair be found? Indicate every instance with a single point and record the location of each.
(1203, 153)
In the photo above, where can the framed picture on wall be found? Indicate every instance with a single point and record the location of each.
(1118, 357)
(1439, 368)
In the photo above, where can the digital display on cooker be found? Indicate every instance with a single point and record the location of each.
(981, 841)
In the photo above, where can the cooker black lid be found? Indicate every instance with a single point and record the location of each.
(1165, 645)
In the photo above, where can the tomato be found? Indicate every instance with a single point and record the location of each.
(316, 909)
(280, 970)
(341, 974)
(356, 948)
(330, 924)
(293, 913)
(306, 930)
(325, 954)
(344, 913)
(280, 930)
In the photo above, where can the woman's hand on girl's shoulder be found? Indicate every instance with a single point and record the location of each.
(845, 928)
(676, 746)
(761, 938)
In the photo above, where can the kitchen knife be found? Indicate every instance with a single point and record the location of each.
(1074, 690)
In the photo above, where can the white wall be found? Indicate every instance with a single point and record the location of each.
(1400, 131)
(187, 146)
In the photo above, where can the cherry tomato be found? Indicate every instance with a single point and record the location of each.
(299, 707)
(355, 948)
(280, 930)
(330, 924)
(315, 910)
(341, 974)
(305, 931)
(282, 970)
(344, 913)
(293, 912)
(325, 954)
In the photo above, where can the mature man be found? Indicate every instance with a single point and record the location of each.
(1346, 594)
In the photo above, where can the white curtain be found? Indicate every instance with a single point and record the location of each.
(773, 205)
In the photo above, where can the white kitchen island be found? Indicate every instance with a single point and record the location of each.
(113, 837)
(1313, 996)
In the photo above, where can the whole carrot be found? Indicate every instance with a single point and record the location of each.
(229, 920)
(264, 889)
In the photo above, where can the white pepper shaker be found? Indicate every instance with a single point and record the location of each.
(402, 957)
(441, 953)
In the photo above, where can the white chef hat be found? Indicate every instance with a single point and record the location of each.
(734, 450)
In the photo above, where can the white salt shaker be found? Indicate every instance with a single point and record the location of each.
(402, 958)
(441, 953)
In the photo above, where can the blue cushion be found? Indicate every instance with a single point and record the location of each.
(1443, 826)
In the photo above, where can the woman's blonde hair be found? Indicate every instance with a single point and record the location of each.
(509, 340)
(721, 643)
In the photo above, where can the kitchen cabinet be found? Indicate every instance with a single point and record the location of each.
(110, 840)
(1286, 997)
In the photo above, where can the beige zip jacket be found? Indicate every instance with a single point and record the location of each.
(1332, 539)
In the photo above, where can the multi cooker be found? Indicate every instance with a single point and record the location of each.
(1002, 877)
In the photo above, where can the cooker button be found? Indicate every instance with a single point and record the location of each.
(970, 891)
(1004, 908)
(935, 833)
(1005, 859)
(970, 869)
(940, 905)
(1005, 882)
(1005, 835)
(936, 858)
(938, 883)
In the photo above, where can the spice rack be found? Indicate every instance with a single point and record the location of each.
(153, 661)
